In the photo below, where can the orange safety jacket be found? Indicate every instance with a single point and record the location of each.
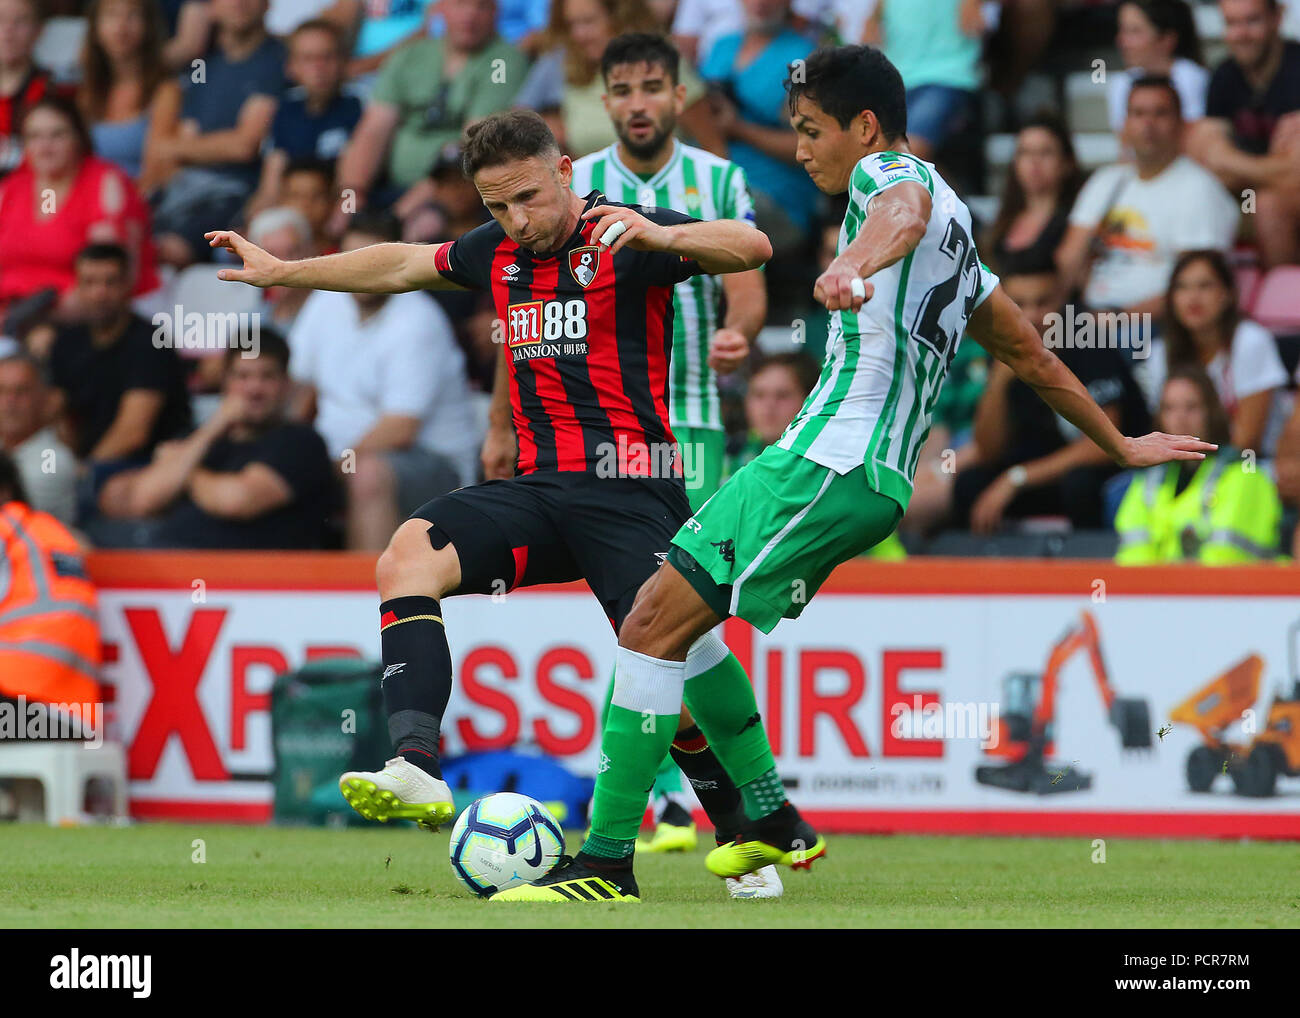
(49, 626)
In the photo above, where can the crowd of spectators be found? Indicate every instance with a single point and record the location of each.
(321, 125)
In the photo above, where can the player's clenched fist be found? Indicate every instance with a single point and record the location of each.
(498, 454)
(841, 288)
(260, 268)
(622, 227)
(728, 350)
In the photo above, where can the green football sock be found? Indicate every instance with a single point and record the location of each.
(764, 795)
(639, 729)
(721, 698)
(669, 778)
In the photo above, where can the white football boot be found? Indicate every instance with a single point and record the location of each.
(763, 883)
(401, 791)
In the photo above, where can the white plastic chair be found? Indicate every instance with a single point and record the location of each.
(62, 769)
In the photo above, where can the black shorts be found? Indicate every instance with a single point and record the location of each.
(555, 527)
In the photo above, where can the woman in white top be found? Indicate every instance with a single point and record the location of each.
(1204, 326)
(1158, 37)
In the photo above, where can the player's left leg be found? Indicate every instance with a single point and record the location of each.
(760, 549)
(671, 614)
(620, 531)
(674, 829)
(702, 452)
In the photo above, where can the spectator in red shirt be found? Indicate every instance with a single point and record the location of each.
(22, 83)
(60, 199)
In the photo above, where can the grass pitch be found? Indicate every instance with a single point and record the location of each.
(147, 876)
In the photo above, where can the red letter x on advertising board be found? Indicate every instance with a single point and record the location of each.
(174, 707)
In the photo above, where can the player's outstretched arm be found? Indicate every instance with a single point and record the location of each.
(380, 268)
(1002, 329)
(720, 246)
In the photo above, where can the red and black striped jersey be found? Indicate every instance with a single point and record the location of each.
(588, 340)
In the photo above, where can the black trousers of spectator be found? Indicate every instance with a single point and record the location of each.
(1076, 494)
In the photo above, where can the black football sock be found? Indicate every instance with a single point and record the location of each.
(417, 677)
(597, 862)
(715, 790)
(675, 814)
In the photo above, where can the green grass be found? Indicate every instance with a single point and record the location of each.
(144, 876)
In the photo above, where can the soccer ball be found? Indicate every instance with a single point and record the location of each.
(504, 840)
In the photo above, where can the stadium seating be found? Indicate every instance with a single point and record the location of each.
(1276, 303)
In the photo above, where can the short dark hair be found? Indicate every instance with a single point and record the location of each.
(105, 252)
(384, 225)
(270, 343)
(641, 48)
(506, 137)
(1174, 16)
(11, 482)
(319, 25)
(65, 107)
(802, 366)
(311, 164)
(1159, 81)
(845, 80)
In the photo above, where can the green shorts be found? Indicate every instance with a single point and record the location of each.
(762, 546)
(703, 450)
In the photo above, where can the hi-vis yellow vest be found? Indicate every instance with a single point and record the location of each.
(1227, 515)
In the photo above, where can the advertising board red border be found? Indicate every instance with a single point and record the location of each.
(346, 571)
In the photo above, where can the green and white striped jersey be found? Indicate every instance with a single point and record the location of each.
(885, 364)
(704, 186)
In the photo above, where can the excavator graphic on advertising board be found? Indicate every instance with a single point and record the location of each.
(1253, 766)
(1028, 718)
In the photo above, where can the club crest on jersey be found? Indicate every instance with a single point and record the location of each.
(584, 263)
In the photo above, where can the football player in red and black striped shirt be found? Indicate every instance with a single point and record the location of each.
(583, 290)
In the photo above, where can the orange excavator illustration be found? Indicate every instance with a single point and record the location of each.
(1253, 766)
(1028, 719)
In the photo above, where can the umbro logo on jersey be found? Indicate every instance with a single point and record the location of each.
(510, 274)
(661, 557)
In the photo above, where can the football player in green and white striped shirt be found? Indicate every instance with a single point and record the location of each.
(649, 166)
(905, 286)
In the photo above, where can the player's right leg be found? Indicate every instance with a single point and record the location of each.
(485, 539)
(412, 575)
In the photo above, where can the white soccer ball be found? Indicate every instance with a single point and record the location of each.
(504, 840)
